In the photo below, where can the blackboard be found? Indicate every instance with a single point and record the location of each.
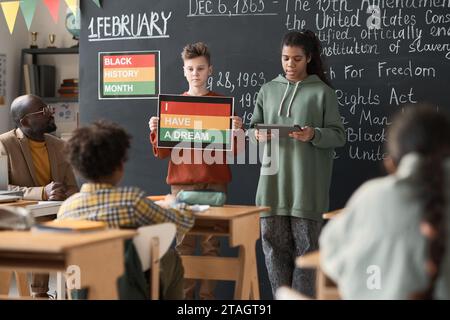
(379, 54)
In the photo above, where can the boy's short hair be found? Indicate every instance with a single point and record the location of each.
(97, 150)
(194, 50)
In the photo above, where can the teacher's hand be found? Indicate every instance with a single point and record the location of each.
(305, 135)
(55, 191)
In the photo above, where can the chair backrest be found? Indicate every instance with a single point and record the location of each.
(164, 232)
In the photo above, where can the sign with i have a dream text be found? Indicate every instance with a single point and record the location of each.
(190, 122)
(128, 75)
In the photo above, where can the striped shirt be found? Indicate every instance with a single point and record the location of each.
(121, 207)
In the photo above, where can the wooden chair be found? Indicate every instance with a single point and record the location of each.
(332, 214)
(151, 243)
(23, 287)
(14, 218)
(326, 289)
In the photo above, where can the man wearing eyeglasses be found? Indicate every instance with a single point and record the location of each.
(36, 163)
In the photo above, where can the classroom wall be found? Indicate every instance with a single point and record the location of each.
(12, 44)
(66, 65)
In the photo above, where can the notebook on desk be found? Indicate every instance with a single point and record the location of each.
(71, 226)
(11, 193)
(8, 198)
(44, 208)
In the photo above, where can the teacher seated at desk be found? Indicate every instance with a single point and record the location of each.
(36, 163)
(98, 153)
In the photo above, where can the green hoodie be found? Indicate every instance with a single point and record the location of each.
(300, 187)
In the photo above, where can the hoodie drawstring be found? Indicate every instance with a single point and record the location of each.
(290, 102)
(292, 99)
(282, 100)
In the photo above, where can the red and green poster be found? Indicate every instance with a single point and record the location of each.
(128, 75)
(195, 122)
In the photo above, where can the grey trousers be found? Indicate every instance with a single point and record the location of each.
(284, 238)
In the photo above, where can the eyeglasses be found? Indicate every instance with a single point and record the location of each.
(47, 110)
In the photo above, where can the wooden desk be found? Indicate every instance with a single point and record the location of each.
(156, 198)
(310, 260)
(241, 225)
(332, 214)
(41, 213)
(18, 203)
(326, 289)
(100, 256)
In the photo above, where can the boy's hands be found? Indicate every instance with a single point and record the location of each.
(168, 201)
(153, 124)
(237, 122)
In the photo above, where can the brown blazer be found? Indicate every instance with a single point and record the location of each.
(21, 170)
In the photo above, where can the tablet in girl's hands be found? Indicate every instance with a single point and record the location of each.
(283, 130)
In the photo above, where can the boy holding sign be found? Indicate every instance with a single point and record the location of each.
(196, 176)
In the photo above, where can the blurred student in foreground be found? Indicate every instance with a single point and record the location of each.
(391, 241)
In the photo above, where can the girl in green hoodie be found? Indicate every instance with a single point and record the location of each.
(298, 192)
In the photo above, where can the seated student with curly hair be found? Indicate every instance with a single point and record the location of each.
(98, 153)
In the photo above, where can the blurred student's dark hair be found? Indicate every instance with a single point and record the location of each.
(423, 130)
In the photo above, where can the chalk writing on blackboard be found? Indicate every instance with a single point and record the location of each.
(234, 8)
(129, 26)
